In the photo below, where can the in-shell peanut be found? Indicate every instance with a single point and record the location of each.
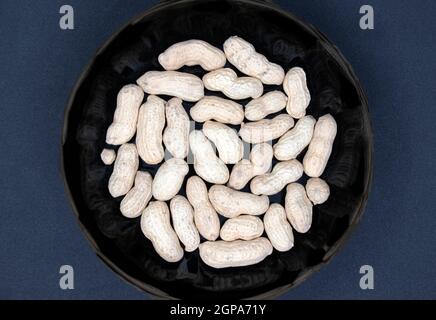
(191, 53)
(230, 147)
(282, 174)
(244, 57)
(125, 167)
(239, 253)
(169, 179)
(182, 216)
(298, 208)
(295, 87)
(108, 156)
(260, 162)
(242, 228)
(269, 103)
(206, 164)
(151, 122)
(292, 143)
(205, 217)
(123, 127)
(278, 229)
(219, 109)
(231, 203)
(156, 226)
(185, 86)
(266, 129)
(226, 80)
(176, 134)
(138, 197)
(320, 148)
(318, 191)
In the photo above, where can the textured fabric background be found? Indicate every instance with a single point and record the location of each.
(40, 64)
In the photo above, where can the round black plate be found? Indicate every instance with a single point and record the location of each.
(134, 50)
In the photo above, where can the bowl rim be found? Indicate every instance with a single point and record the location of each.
(332, 49)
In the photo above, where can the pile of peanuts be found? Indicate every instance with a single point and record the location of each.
(158, 123)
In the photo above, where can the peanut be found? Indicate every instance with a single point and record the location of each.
(108, 156)
(169, 179)
(156, 226)
(123, 127)
(295, 87)
(292, 143)
(176, 134)
(183, 221)
(239, 253)
(244, 57)
(230, 203)
(318, 191)
(172, 83)
(191, 53)
(278, 229)
(206, 164)
(282, 174)
(320, 148)
(125, 167)
(226, 80)
(260, 162)
(298, 208)
(230, 147)
(205, 217)
(266, 129)
(138, 197)
(151, 122)
(219, 109)
(242, 228)
(269, 103)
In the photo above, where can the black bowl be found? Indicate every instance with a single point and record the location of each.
(285, 40)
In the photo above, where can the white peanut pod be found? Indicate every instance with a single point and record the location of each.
(231, 203)
(151, 122)
(226, 80)
(182, 216)
(205, 217)
(266, 129)
(244, 57)
(206, 164)
(260, 162)
(176, 134)
(123, 127)
(172, 83)
(320, 148)
(269, 103)
(125, 167)
(292, 143)
(156, 226)
(298, 208)
(138, 197)
(282, 174)
(295, 87)
(108, 156)
(230, 147)
(278, 229)
(242, 228)
(169, 179)
(239, 253)
(318, 191)
(192, 53)
(219, 109)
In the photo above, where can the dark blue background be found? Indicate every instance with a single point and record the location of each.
(40, 64)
